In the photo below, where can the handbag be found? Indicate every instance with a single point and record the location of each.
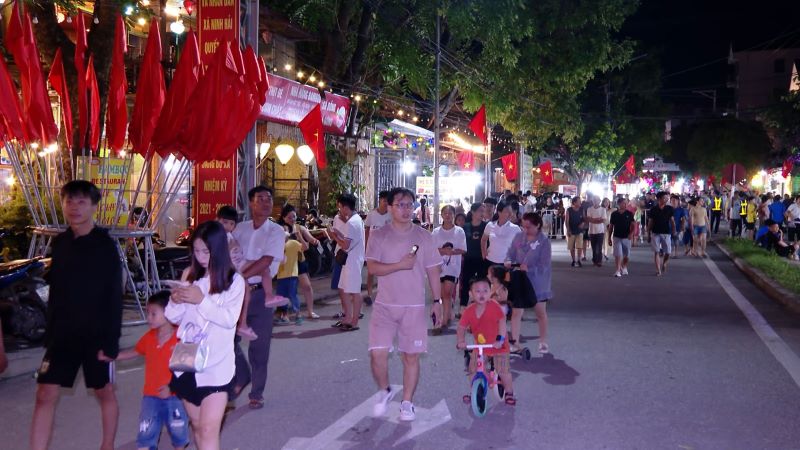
(190, 356)
(341, 257)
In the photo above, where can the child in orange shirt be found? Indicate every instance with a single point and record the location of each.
(159, 406)
(485, 319)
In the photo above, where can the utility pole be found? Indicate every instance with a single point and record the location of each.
(437, 123)
(709, 93)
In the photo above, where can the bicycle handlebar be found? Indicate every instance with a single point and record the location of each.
(479, 346)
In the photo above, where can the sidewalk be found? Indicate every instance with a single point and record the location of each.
(26, 361)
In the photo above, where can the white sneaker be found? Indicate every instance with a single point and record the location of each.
(624, 270)
(407, 413)
(384, 397)
(617, 274)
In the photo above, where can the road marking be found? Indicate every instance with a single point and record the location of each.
(427, 419)
(348, 361)
(788, 359)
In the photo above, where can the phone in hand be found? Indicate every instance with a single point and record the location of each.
(414, 249)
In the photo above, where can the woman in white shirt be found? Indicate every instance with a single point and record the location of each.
(209, 306)
(452, 243)
(498, 235)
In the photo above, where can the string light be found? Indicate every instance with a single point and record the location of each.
(312, 79)
(142, 21)
(300, 74)
(357, 98)
(321, 84)
(145, 2)
(287, 67)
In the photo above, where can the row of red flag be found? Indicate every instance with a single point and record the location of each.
(204, 115)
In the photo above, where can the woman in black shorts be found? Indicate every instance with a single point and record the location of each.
(288, 221)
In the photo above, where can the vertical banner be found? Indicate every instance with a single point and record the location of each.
(215, 181)
(108, 174)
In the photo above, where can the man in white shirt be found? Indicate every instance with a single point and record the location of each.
(262, 242)
(376, 218)
(793, 220)
(351, 240)
(597, 216)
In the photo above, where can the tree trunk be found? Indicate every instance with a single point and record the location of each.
(336, 39)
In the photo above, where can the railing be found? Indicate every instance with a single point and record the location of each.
(553, 224)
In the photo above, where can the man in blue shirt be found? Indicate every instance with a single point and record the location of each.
(679, 214)
(776, 211)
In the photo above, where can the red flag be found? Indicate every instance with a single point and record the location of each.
(788, 165)
(94, 105)
(80, 67)
(311, 127)
(11, 126)
(478, 125)
(510, 166)
(183, 84)
(117, 117)
(466, 160)
(58, 80)
(630, 166)
(264, 85)
(149, 94)
(36, 111)
(546, 169)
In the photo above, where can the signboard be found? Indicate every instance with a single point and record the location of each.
(215, 181)
(215, 188)
(288, 102)
(457, 186)
(526, 174)
(108, 174)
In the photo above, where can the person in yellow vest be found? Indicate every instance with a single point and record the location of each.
(750, 217)
(716, 212)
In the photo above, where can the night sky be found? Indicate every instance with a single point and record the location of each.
(689, 33)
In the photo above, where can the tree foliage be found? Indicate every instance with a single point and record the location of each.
(714, 144)
(784, 120)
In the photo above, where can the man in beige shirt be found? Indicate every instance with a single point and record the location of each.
(699, 216)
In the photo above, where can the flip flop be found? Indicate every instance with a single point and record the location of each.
(256, 404)
(348, 327)
(338, 324)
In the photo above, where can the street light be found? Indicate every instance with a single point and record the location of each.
(305, 154)
(284, 153)
(409, 167)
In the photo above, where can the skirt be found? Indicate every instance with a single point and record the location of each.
(521, 294)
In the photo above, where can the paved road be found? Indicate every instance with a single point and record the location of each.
(637, 363)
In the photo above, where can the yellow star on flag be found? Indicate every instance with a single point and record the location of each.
(510, 166)
(466, 165)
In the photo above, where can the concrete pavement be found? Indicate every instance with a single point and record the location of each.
(637, 362)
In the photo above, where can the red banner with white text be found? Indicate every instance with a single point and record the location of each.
(288, 102)
(215, 181)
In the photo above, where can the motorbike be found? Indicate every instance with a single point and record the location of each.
(23, 298)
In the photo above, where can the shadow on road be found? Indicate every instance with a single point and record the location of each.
(497, 423)
(309, 334)
(556, 371)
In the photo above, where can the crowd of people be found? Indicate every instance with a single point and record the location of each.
(484, 267)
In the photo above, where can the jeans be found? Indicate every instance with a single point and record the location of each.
(715, 218)
(287, 287)
(157, 412)
(597, 247)
(736, 228)
(259, 317)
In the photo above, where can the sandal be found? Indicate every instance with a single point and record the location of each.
(348, 327)
(509, 399)
(544, 348)
(338, 324)
(466, 398)
(256, 404)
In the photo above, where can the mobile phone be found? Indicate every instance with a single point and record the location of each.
(414, 249)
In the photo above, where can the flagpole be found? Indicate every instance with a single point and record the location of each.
(437, 120)
(489, 181)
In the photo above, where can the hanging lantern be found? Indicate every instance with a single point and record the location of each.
(284, 153)
(305, 154)
(177, 27)
(263, 150)
(189, 6)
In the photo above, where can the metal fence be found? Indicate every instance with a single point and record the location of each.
(553, 224)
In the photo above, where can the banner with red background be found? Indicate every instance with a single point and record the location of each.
(215, 181)
(288, 102)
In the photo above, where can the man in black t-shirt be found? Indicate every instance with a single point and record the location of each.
(660, 228)
(622, 226)
(575, 228)
(84, 315)
(473, 264)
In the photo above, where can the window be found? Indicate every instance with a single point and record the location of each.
(779, 66)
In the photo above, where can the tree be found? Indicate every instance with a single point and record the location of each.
(716, 143)
(783, 119)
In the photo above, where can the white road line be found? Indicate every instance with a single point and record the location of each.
(788, 359)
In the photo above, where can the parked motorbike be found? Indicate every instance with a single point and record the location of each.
(22, 309)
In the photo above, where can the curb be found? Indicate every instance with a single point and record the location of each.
(771, 288)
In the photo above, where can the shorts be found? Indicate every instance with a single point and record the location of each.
(574, 241)
(155, 414)
(792, 233)
(336, 272)
(698, 230)
(302, 267)
(622, 247)
(408, 323)
(449, 278)
(749, 225)
(61, 367)
(185, 387)
(502, 362)
(662, 243)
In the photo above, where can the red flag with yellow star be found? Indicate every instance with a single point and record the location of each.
(510, 166)
(546, 169)
(311, 127)
(478, 125)
(466, 160)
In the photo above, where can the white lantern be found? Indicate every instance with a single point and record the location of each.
(305, 154)
(263, 150)
(177, 27)
(284, 153)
